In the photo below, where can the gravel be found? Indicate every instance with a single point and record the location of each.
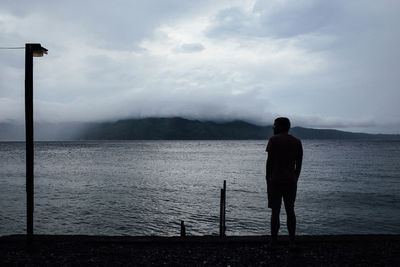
(333, 250)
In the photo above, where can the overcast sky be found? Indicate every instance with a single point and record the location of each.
(324, 64)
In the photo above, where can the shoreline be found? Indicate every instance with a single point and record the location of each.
(314, 250)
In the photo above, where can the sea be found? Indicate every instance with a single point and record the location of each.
(146, 188)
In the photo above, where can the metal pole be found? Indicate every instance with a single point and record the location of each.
(29, 141)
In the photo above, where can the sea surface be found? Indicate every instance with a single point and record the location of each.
(148, 187)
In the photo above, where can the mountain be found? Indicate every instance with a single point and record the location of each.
(169, 129)
(184, 129)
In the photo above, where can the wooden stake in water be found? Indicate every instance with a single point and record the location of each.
(222, 206)
(224, 225)
(183, 229)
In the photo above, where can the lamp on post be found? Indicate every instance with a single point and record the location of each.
(31, 50)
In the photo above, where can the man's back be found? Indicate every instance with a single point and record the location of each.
(284, 151)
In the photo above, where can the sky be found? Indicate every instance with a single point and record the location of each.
(323, 64)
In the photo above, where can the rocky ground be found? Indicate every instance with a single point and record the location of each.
(346, 250)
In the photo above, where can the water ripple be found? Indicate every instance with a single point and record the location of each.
(147, 188)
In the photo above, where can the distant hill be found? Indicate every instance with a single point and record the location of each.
(11, 132)
(184, 129)
(42, 131)
(169, 129)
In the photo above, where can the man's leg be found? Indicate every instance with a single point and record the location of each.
(274, 203)
(291, 223)
(289, 198)
(275, 224)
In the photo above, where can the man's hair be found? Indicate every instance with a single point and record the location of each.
(283, 123)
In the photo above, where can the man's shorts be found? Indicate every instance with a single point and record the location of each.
(277, 191)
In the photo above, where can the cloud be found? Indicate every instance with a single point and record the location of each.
(189, 48)
(276, 19)
(322, 63)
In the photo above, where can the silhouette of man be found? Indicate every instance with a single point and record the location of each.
(285, 154)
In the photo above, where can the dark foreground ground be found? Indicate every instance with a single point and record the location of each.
(344, 250)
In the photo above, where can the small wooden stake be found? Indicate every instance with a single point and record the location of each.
(224, 213)
(183, 229)
(221, 216)
(222, 206)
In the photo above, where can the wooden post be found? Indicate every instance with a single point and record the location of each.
(224, 213)
(221, 217)
(222, 206)
(183, 229)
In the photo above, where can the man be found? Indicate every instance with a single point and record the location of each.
(285, 154)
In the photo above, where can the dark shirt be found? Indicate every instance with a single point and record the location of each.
(284, 152)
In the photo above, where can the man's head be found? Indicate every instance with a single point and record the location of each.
(281, 125)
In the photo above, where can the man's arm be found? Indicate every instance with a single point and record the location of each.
(299, 161)
(268, 168)
(268, 165)
(298, 167)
